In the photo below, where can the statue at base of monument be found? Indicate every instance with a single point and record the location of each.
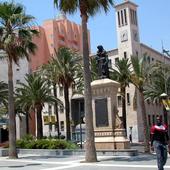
(102, 63)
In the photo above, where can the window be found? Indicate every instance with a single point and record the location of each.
(122, 17)
(61, 90)
(125, 54)
(128, 98)
(49, 109)
(17, 81)
(17, 69)
(125, 16)
(148, 59)
(119, 101)
(118, 15)
(62, 125)
(116, 60)
(135, 18)
(137, 54)
(110, 63)
(61, 109)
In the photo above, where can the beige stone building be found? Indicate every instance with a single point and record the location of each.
(128, 39)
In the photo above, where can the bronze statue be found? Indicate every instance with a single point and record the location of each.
(102, 62)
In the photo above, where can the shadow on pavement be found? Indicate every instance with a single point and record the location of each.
(19, 166)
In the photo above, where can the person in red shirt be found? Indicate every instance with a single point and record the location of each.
(159, 142)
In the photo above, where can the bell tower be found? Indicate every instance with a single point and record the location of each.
(127, 29)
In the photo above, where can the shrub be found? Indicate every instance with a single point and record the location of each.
(45, 144)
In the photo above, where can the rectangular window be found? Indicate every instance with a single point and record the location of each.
(118, 15)
(110, 63)
(62, 125)
(61, 109)
(122, 17)
(128, 98)
(61, 90)
(131, 16)
(137, 54)
(116, 60)
(17, 81)
(50, 109)
(135, 17)
(149, 59)
(125, 54)
(119, 101)
(125, 16)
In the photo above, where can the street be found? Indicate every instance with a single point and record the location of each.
(76, 163)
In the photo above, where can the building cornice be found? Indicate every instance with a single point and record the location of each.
(149, 48)
(125, 3)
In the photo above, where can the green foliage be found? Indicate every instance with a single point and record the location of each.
(45, 144)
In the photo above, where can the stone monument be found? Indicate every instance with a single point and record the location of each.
(108, 128)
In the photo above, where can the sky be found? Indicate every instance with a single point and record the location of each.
(153, 20)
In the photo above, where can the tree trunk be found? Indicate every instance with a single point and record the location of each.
(56, 110)
(145, 126)
(67, 112)
(39, 122)
(90, 155)
(123, 91)
(12, 121)
(27, 122)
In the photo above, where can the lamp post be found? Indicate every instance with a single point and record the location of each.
(164, 100)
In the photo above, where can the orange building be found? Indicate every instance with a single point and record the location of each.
(56, 33)
(53, 34)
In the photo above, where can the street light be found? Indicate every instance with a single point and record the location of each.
(164, 98)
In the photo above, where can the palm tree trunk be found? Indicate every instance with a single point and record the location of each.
(145, 126)
(39, 122)
(67, 111)
(123, 91)
(27, 122)
(56, 110)
(12, 121)
(90, 155)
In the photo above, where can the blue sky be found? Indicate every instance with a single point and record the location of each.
(153, 19)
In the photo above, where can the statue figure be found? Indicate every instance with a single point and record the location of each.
(102, 62)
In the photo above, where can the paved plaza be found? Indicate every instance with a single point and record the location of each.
(30, 162)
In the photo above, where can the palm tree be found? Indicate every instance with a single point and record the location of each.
(139, 78)
(34, 94)
(87, 8)
(122, 74)
(159, 81)
(66, 64)
(16, 41)
(50, 72)
(159, 84)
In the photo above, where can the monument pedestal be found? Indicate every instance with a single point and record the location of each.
(108, 130)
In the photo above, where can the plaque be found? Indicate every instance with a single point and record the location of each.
(101, 112)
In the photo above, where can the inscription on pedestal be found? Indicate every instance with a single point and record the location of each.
(101, 112)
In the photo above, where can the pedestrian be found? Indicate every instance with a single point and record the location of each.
(159, 142)
(130, 138)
